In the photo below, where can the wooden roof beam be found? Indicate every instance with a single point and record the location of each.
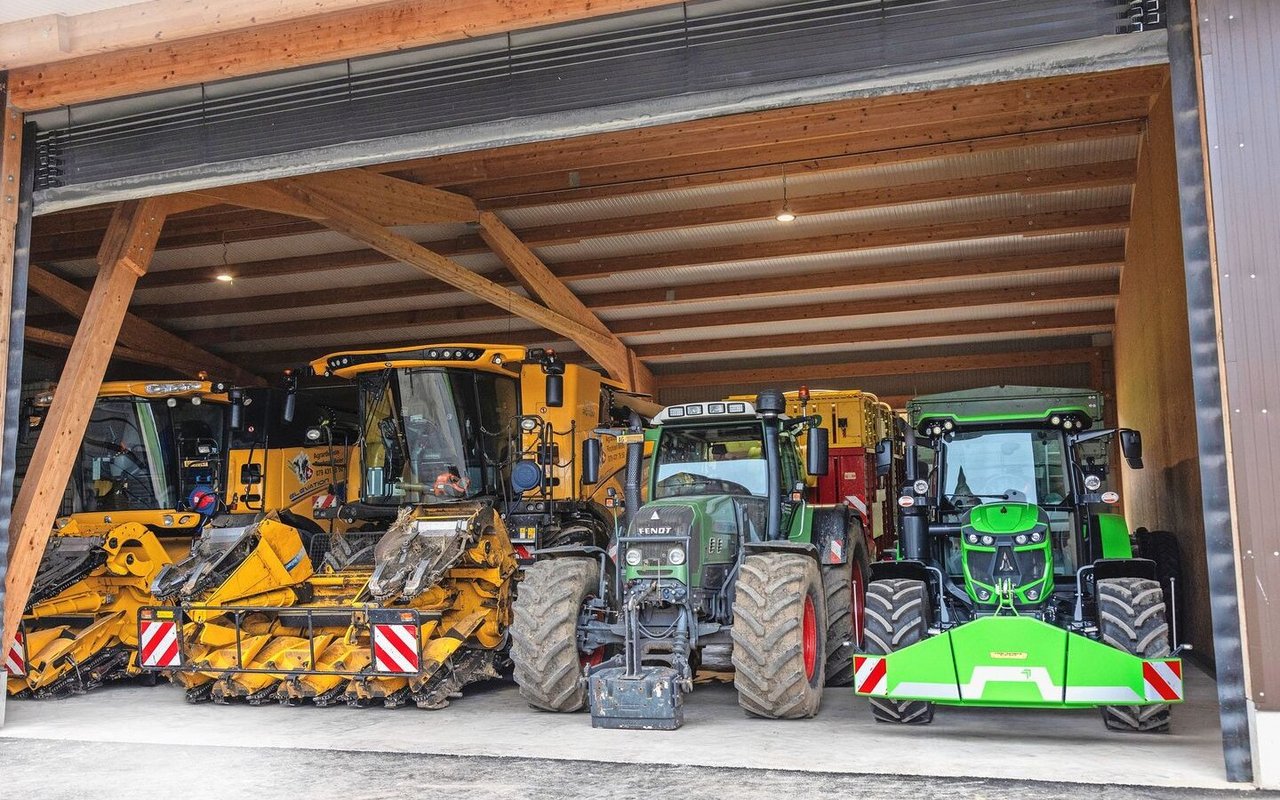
(606, 349)
(539, 282)
(138, 334)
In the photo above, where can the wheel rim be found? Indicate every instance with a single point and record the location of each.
(810, 630)
(858, 604)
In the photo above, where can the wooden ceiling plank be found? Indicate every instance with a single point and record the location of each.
(845, 277)
(1025, 100)
(900, 155)
(286, 44)
(389, 200)
(904, 303)
(917, 333)
(63, 341)
(851, 370)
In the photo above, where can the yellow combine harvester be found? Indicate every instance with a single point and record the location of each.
(153, 469)
(466, 466)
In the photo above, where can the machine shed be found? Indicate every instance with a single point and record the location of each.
(699, 199)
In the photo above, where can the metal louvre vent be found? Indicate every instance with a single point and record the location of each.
(698, 46)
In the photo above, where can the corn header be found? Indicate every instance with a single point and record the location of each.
(465, 468)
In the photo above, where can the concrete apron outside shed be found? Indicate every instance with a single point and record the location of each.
(492, 720)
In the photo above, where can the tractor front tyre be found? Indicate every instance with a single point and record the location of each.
(897, 616)
(779, 633)
(1131, 617)
(845, 590)
(544, 632)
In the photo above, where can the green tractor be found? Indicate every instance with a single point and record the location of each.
(1016, 583)
(726, 556)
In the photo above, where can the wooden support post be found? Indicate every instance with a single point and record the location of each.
(125, 254)
(142, 337)
(10, 180)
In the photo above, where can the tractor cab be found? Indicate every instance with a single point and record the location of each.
(1012, 499)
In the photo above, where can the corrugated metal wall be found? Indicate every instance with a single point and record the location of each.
(1240, 43)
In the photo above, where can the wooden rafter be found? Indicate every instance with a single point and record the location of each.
(541, 283)
(65, 341)
(141, 336)
(603, 347)
(125, 254)
(851, 370)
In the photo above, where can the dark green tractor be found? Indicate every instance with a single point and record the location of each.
(727, 555)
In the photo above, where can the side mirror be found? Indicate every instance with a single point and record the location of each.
(237, 409)
(816, 452)
(555, 391)
(1131, 447)
(884, 456)
(290, 395)
(590, 461)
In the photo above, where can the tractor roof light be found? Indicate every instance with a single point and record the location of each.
(172, 388)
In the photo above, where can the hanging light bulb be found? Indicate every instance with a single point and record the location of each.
(785, 214)
(224, 275)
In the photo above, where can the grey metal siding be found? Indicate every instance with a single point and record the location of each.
(1240, 42)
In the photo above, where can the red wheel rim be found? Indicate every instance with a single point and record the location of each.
(810, 631)
(858, 605)
(591, 659)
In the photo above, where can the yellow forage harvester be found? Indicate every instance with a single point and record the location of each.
(161, 462)
(465, 453)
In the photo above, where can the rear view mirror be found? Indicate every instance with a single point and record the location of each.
(555, 391)
(816, 452)
(237, 409)
(1131, 447)
(884, 456)
(590, 461)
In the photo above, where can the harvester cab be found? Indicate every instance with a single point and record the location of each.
(726, 553)
(1016, 583)
(148, 476)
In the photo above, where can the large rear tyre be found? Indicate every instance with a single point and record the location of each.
(544, 632)
(897, 616)
(845, 588)
(1131, 617)
(779, 634)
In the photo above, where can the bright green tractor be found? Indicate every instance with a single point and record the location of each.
(1016, 583)
(727, 556)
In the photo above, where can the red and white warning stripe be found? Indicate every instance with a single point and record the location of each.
(158, 644)
(324, 502)
(395, 648)
(1162, 680)
(870, 675)
(835, 552)
(15, 661)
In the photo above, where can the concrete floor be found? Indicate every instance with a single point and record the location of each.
(137, 723)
